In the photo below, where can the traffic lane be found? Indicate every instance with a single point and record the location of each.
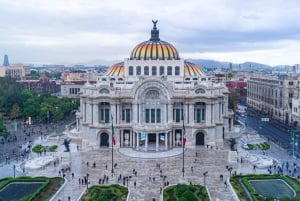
(276, 135)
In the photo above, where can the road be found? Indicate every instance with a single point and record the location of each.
(274, 130)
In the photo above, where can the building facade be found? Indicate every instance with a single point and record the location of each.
(42, 85)
(14, 71)
(153, 101)
(272, 95)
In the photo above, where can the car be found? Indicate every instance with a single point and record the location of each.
(245, 146)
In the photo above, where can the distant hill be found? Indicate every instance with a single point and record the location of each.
(212, 64)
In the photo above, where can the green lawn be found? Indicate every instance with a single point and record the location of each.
(185, 192)
(106, 193)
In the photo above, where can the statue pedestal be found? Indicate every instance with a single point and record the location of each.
(66, 160)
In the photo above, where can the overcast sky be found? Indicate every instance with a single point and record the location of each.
(72, 31)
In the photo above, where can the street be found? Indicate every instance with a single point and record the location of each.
(274, 130)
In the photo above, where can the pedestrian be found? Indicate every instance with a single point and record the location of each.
(160, 190)
(79, 181)
(196, 154)
(225, 183)
(192, 169)
(69, 198)
(99, 181)
(134, 184)
(106, 166)
(94, 165)
(72, 175)
(87, 164)
(221, 177)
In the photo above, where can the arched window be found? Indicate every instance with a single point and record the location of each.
(177, 70)
(154, 70)
(146, 70)
(130, 70)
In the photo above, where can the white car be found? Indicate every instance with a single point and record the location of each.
(245, 146)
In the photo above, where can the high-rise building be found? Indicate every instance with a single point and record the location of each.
(5, 61)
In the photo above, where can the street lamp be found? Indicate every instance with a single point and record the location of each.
(204, 178)
(87, 180)
(14, 170)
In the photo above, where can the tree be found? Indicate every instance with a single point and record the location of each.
(15, 111)
(233, 100)
(230, 75)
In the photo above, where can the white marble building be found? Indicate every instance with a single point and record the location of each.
(148, 96)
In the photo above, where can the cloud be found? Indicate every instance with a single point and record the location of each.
(69, 30)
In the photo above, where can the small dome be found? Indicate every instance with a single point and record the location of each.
(116, 70)
(191, 69)
(154, 48)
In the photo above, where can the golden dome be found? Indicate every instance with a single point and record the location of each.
(191, 69)
(154, 48)
(116, 70)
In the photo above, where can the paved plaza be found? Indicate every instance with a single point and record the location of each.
(150, 171)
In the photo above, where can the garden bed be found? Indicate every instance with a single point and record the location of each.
(104, 193)
(185, 192)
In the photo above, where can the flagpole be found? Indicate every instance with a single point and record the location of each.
(112, 146)
(183, 143)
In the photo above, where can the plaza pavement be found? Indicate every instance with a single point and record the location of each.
(210, 160)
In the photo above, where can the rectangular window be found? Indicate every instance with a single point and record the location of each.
(127, 115)
(106, 115)
(146, 70)
(157, 115)
(203, 114)
(198, 115)
(152, 115)
(138, 70)
(130, 70)
(177, 70)
(102, 114)
(161, 70)
(153, 70)
(169, 70)
(177, 115)
(147, 119)
(123, 115)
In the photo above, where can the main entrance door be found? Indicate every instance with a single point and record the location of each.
(199, 139)
(151, 138)
(104, 139)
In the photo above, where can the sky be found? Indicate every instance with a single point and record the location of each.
(94, 31)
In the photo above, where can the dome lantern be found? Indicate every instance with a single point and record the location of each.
(154, 32)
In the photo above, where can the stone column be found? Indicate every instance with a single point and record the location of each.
(192, 113)
(92, 113)
(137, 141)
(96, 119)
(113, 113)
(122, 138)
(170, 110)
(88, 113)
(146, 142)
(157, 141)
(77, 120)
(134, 113)
(212, 113)
(166, 141)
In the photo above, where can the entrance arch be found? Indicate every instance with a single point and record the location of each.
(104, 140)
(200, 139)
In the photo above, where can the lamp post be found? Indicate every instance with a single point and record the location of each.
(14, 167)
(204, 177)
(87, 180)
